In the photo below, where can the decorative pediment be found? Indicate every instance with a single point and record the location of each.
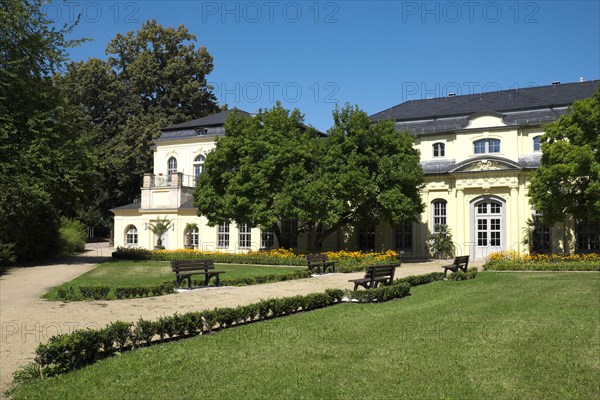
(487, 163)
(486, 120)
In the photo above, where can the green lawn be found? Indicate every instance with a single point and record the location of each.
(143, 273)
(500, 336)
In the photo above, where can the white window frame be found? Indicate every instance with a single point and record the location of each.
(440, 147)
(487, 146)
(267, 239)
(439, 213)
(195, 237)
(537, 142)
(171, 165)
(245, 236)
(199, 165)
(131, 236)
(223, 236)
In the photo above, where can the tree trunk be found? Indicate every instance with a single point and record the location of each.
(277, 231)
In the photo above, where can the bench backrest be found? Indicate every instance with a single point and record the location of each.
(316, 258)
(378, 271)
(461, 260)
(177, 266)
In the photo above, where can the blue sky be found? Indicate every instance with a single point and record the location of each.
(313, 55)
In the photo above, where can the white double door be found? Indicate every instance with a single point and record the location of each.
(488, 227)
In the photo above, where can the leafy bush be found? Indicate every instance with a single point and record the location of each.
(416, 280)
(94, 292)
(381, 294)
(519, 265)
(463, 276)
(72, 235)
(7, 255)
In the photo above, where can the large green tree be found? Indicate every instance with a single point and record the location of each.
(567, 183)
(370, 172)
(44, 165)
(249, 174)
(152, 78)
(271, 168)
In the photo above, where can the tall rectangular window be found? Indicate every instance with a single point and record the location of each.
(541, 235)
(223, 236)
(439, 213)
(588, 235)
(366, 238)
(403, 237)
(267, 240)
(290, 233)
(245, 236)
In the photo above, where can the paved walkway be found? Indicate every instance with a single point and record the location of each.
(26, 319)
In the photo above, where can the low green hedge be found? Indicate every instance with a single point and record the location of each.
(463, 276)
(72, 293)
(125, 253)
(380, 294)
(70, 351)
(66, 352)
(518, 265)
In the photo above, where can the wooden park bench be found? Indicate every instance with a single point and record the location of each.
(460, 262)
(185, 270)
(375, 275)
(319, 262)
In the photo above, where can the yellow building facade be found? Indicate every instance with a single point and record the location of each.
(477, 153)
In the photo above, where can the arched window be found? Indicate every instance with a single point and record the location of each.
(536, 143)
(439, 149)
(439, 209)
(194, 237)
(171, 165)
(198, 165)
(131, 235)
(485, 146)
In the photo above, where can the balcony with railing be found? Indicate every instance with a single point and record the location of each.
(170, 180)
(166, 191)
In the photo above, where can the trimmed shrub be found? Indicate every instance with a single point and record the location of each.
(559, 265)
(416, 280)
(7, 255)
(72, 235)
(94, 292)
(381, 294)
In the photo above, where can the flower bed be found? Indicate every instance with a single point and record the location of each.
(347, 261)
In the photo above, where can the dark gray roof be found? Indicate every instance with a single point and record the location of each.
(435, 167)
(132, 206)
(540, 97)
(211, 125)
(210, 120)
(188, 205)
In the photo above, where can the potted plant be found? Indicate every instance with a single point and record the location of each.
(189, 228)
(159, 229)
(439, 242)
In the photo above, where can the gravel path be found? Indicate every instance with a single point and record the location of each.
(27, 320)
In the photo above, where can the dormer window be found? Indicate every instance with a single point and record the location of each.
(536, 144)
(171, 165)
(201, 131)
(485, 146)
(439, 149)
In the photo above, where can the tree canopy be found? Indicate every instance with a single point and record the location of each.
(568, 179)
(45, 167)
(272, 168)
(152, 78)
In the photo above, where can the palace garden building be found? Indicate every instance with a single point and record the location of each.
(477, 152)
